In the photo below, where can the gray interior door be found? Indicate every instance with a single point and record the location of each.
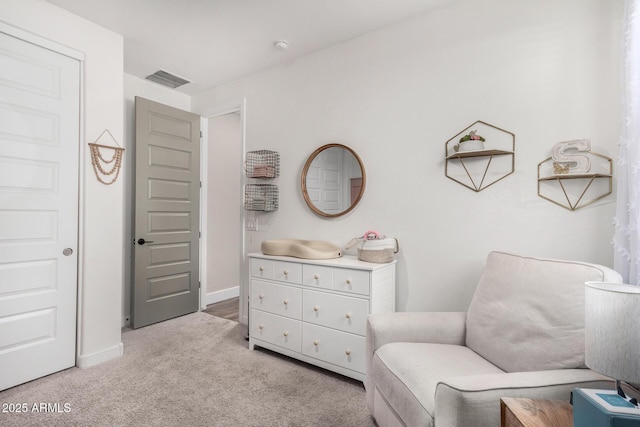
(167, 207)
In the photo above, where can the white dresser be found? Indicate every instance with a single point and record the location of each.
(316, 310)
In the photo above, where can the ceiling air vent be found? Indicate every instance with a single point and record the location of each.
(167, 79)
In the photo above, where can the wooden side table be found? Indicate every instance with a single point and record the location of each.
(519, 412)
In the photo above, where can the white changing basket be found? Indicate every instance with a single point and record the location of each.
(375, 248)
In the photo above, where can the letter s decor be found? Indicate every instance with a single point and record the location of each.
(574, 176)
(572, 162)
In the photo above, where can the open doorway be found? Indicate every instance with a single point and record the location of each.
(223, 231)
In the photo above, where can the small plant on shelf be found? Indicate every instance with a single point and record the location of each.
(470, 142)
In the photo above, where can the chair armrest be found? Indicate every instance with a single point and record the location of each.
(475, 400)
(431, 327)
(428, 327)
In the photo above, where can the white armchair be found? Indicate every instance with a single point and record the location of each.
(523, 336)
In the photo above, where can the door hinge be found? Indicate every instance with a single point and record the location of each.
(199, 234)
(199, 285)
(200, 134)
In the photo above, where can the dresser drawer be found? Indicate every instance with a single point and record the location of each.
(262, 268)
(317, 276)
(290, 272)
(335, 311)
(317, 310)
(346, 280)
(336, 347)
(277, 299)
(276, 330)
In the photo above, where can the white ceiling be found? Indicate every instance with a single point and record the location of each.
(211, 42)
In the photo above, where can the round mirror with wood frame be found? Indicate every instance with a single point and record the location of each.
(333, 180)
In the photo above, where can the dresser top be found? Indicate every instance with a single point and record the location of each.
(345, 261)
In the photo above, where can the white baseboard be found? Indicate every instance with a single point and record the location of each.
(222, 295)
(88, 360)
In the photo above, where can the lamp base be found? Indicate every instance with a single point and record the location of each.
(603, 408)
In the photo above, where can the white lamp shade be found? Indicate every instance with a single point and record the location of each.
(612, 330)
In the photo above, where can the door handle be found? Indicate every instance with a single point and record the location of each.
(142, 241)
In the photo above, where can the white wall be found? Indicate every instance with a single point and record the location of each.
(547, 71)
(101, 215)
(135, 86)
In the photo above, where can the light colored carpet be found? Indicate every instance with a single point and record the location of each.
(195, 370)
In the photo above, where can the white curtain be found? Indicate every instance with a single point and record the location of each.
(626, 241)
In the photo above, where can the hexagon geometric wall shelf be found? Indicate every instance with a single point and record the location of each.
(575, 190)
(480, 155)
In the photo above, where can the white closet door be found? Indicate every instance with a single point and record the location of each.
(39, 140)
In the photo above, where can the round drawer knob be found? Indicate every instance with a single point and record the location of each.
(348, 352)
(285, 302)
(286, 334)
(348, 315)
(285, 272)
(316, 308)
(261, 327)
(261, 296)
(261, 268)
(348, 281)
(315, 276)
(316, 343)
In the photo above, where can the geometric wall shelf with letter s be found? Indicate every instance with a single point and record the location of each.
(574, 176)
(480, 155)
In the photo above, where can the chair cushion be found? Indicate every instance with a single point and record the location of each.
(406, 375)
(527, 314)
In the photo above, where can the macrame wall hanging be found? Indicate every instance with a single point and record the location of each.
(104, 167)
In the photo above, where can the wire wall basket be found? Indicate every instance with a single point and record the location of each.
(261, 197)
(263, 164)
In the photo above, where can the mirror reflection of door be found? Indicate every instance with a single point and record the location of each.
(333, 180)
(324, 181)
